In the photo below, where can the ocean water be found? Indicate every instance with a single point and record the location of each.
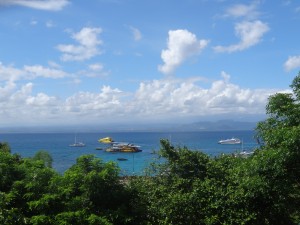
(64, 156)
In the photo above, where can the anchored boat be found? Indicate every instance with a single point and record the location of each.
(77, 143)
(230, 141)
(106, 140)
(123, 147)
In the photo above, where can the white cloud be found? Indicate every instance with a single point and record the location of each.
(250, 34)
(181, 45)
(54, 64)
(94, 70)
(12, 74)
(96, 67)
(242, 10)
(19, 97)
(22, 107)
(6, 91)
(137, 35)
(176, 98)
(51, 5)
(40, 71)
(87, 48)
(41, 99)
(49, 24)
(292, 63)
(169, 98)
(95, 104)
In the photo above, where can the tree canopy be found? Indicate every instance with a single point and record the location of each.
(186, 187)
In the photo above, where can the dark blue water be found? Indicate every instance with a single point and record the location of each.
(57, 144)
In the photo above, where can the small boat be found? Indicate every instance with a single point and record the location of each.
(244, 154)
(106, 140)
(123, 147)
(99, 148)
(231, 141)
(77, 144)
(122, 159)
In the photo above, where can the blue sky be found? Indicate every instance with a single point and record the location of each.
(66, 62)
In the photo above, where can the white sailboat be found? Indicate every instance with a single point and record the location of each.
(77, 144)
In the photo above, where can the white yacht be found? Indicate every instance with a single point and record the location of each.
(230, 141)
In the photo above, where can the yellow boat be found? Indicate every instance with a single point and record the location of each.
(106, 140)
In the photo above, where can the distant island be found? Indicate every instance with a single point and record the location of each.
(219, 125)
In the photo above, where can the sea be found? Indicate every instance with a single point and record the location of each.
(64, 156)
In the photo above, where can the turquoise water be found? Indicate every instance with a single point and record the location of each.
(57, 144)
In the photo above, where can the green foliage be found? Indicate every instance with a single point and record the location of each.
(88, 193)
(281, 135)
(94, 185)
(9, 171)
(186, 187)
(296, 86)
(45, 157)
(189, 188)
(41, 220)
(256, 190)
(183, 162)
(4, 147)
(284, 113)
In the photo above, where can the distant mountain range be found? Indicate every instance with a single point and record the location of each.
(220, 125)
(217, 126)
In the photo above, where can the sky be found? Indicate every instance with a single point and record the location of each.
(66, 62)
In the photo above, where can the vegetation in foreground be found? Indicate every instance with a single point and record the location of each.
(187, 188)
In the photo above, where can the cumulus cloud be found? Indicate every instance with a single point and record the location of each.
(6, 91)
(41, 99)
(22, 105)
(97, 104)
(87, 47)
(16, 99)
(12, 74)
(166, 98)
(186, 98)
(250, 34)
(292, 63)
(49, 5)
(181, 45)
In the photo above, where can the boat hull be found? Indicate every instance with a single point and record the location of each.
(231, 141)
(123, 148)
(79, 144)
(106, 140)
